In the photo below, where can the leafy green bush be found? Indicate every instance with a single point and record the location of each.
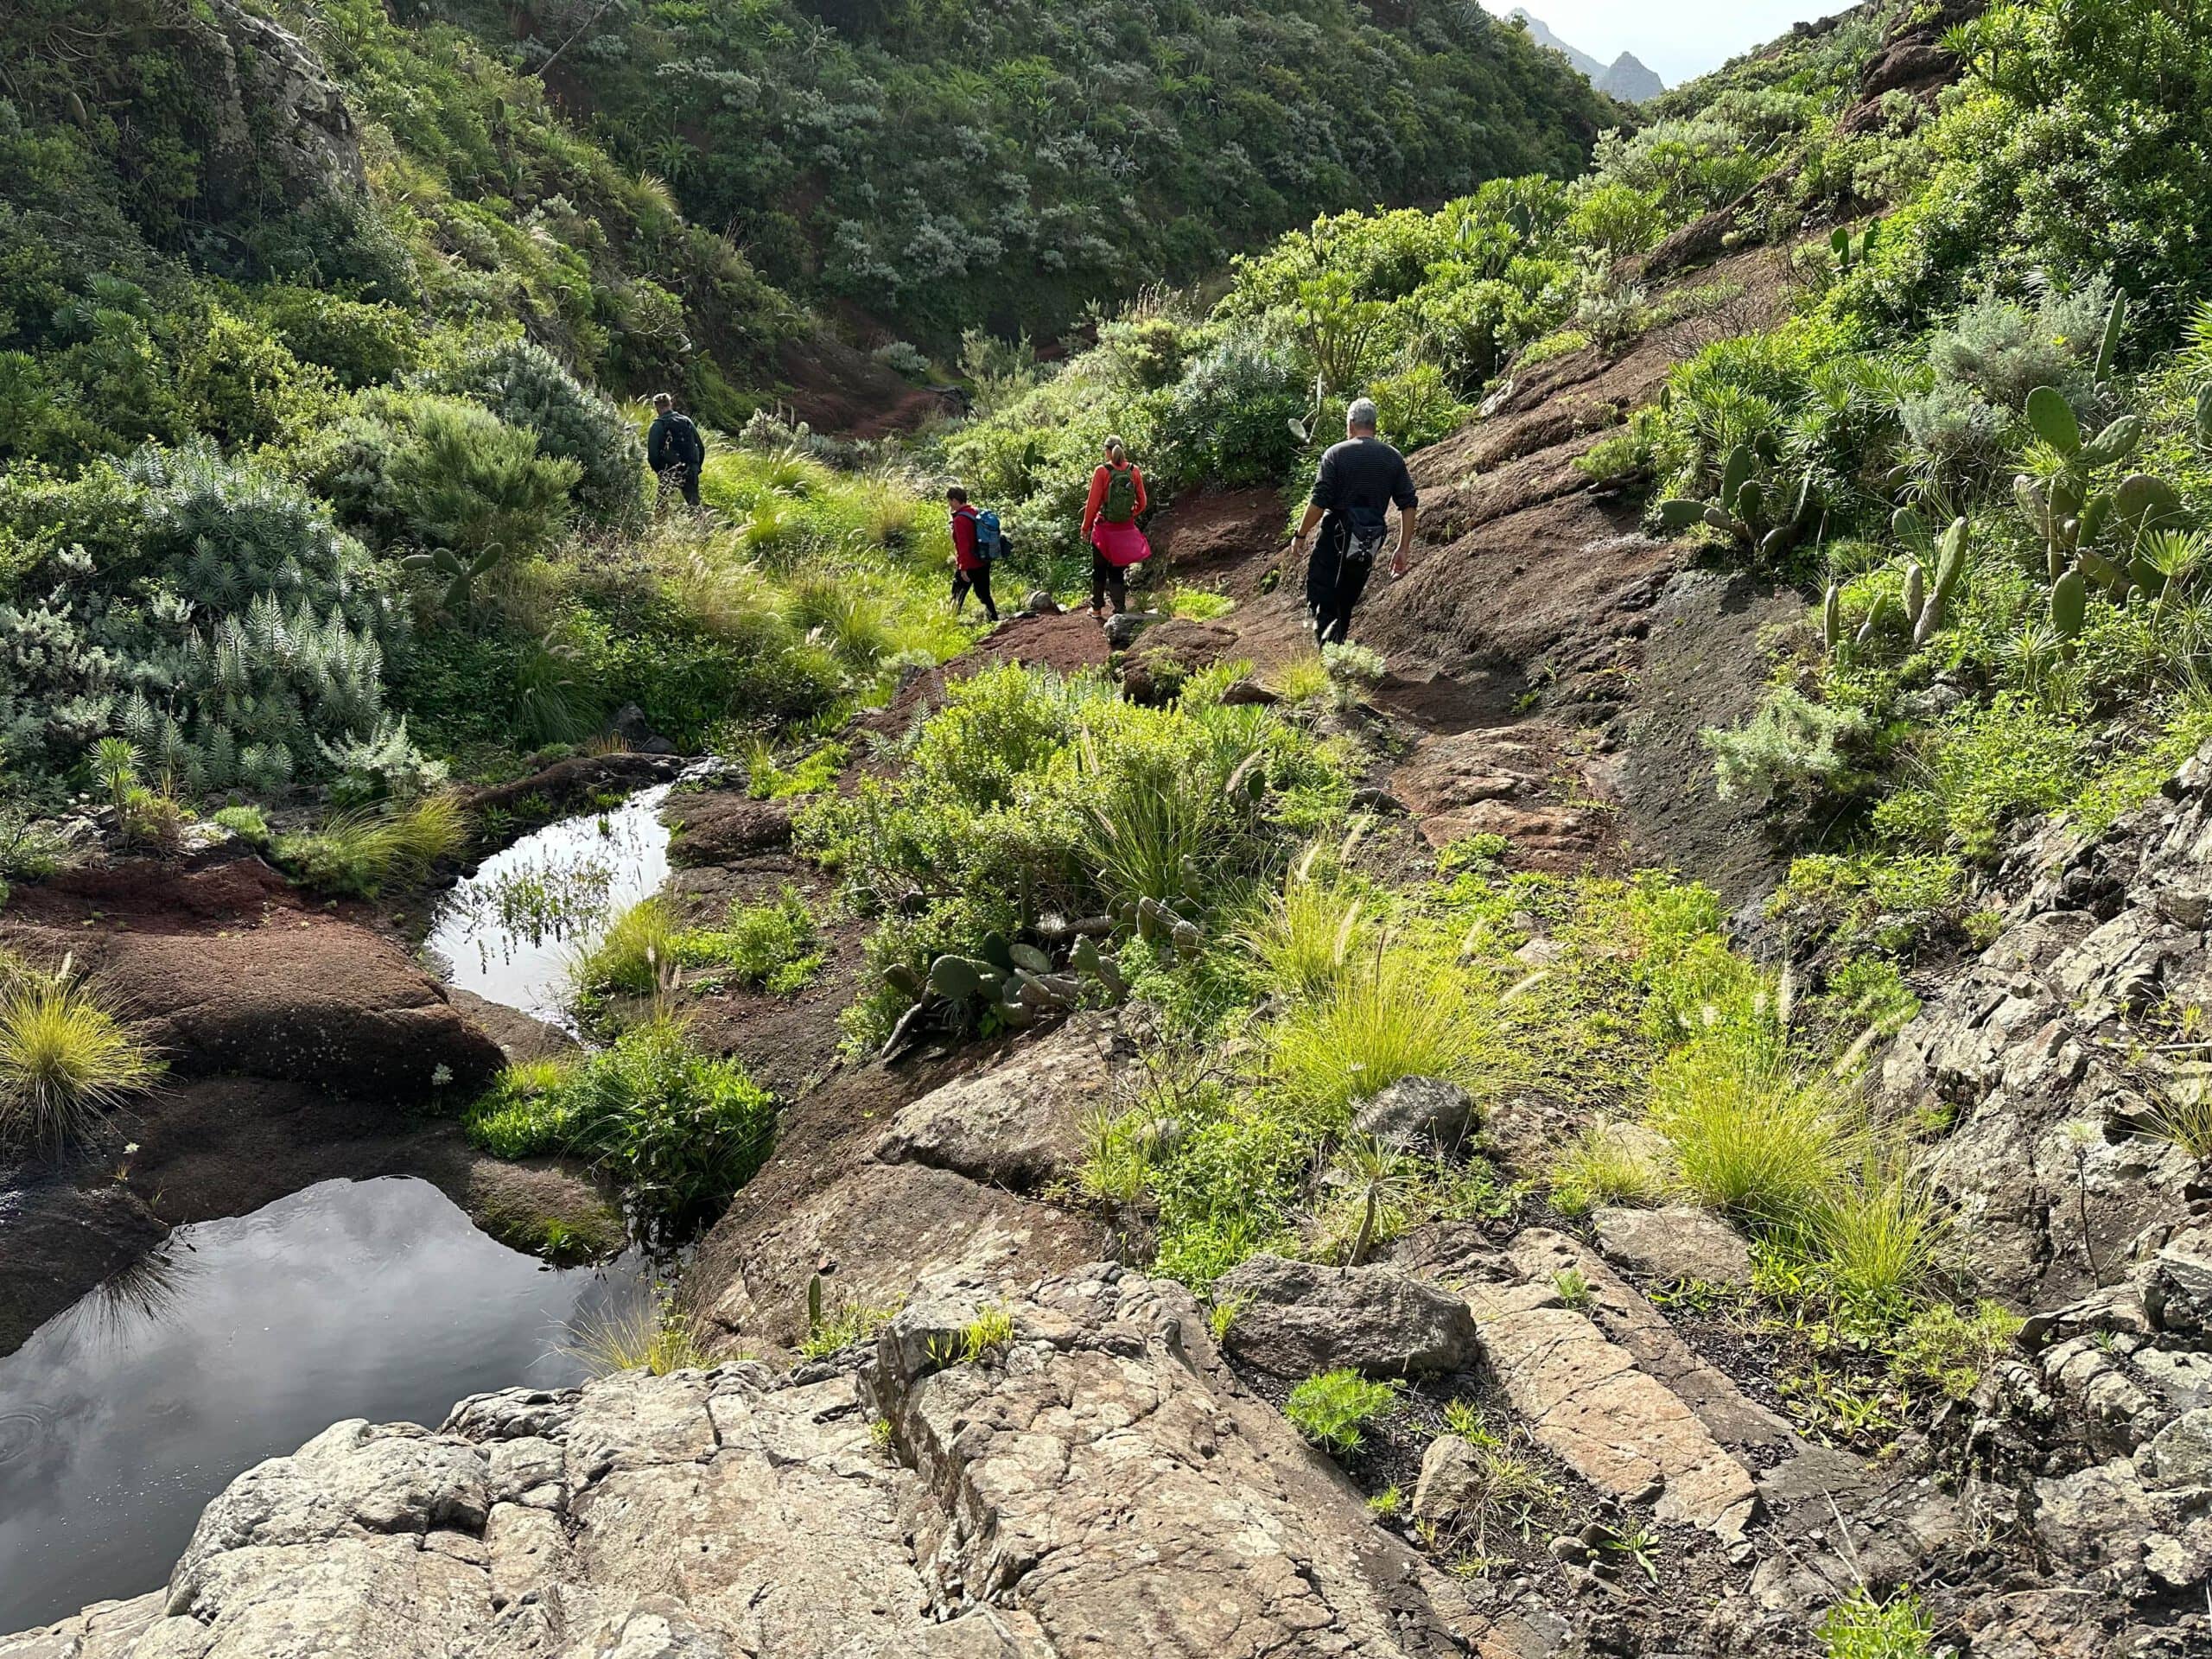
(773, 946)
(207, 610)
(681, 1131)
(526, 385)
(1333, 1409)
(1862, 1627)
(1790, 747)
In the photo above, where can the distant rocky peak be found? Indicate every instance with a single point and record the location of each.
(1628, 78)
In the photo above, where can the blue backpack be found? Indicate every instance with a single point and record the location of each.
(991, 540)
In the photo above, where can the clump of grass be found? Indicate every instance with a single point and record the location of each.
(630, 957)
(2181, 1114)
(359, 853)
(989, 1332)
(773, 945)
(1195, 604)
(683, 1130)
(1334, 1411)
(1604, 1166)
(1753, 1136)
(841, 1327)
(1308, 933)
(1875, 1237)
(1117, 1156)
(1860, 1627)
(1394, 1012)
(1950, 1348)
(645, 1336)
(67, 1059)
(1302, 679)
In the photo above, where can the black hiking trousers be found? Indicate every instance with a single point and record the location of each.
(977, 581)
(1108, 581)
(1334, 583)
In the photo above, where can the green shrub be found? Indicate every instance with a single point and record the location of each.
(526, 386)
(681, 1131)
(1791, 747)
(247, 823)
(1333, 1409)
(773, 946)
(1861, 1627)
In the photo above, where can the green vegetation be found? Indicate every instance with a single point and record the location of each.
(357, 853)
(67, 1058)
(681, 1131)
(1333, 1409)
(950, 166)
(651, 1337)
(646, 950)
(1862, 1627)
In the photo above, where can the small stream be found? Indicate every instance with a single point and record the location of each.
(509, 931)
(241, 1339)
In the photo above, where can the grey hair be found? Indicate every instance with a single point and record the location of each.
(1362, 412)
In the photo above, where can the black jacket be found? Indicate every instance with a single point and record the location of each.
(674, 442)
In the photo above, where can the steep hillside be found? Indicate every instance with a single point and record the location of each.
(942, 167)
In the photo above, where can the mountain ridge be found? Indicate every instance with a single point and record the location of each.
(1628, 78)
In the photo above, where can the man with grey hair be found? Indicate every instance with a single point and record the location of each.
(1360, 480)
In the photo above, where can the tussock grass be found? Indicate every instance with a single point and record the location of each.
(1604, 1166)
(644, 1336)
(67, 1059)
(630, 957)
(1308, 933)
(1876, 1237)
(359, 853)
(1753, 1136)
(1395, 1012)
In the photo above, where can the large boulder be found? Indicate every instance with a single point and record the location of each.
(1018, 1125)
(1294, 1318)
(1089, 1480)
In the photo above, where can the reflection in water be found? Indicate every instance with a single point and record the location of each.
(510, 930)
(141, 1293)
(121, 1418)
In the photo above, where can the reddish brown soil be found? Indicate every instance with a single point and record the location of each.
(1069, 643)
(836, 389)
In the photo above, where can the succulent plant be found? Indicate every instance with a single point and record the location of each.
(461, 575)
(1853, 251)
(2069, 604)
(1757, 514)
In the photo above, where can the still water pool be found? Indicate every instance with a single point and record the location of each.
(239, 1340)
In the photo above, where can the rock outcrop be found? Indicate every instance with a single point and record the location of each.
(1087, 1479)
(2050, 1059)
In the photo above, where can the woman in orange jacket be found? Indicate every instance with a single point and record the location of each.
(1109, 525)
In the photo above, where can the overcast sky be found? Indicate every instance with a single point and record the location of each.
(1679, 38)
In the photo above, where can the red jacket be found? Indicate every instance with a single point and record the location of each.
(964, 556)
(1099, 495)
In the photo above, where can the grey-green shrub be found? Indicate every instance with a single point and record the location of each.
(526, 385)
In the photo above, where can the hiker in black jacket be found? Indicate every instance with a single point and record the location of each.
(1359, 481)
(675, 450)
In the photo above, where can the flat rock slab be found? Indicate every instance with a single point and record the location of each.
(1588, 1400)
(1295, 1319)
(1674, 1246)
(1021, 1124)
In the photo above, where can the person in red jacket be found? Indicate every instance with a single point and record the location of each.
(971, 571)
(1109, 525)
